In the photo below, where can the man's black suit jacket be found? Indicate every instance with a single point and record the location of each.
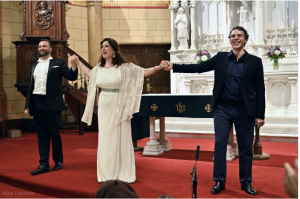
(54, 94)
(252, 81)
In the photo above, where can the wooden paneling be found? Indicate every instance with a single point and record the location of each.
(147, 56)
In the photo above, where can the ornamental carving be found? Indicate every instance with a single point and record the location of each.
(44, 16)
(181, 56)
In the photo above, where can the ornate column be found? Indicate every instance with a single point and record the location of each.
(94, 30)
(258, 22)
(294, 84)
(259, 27)
(226, 40)
(173, 7)
(193, 28)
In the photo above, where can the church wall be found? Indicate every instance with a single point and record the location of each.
(137, 25)
(77, 27)
(12, 17)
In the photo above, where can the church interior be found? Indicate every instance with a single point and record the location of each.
(164, 142)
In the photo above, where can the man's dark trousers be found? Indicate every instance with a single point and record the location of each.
(224, 116)
(47, 123)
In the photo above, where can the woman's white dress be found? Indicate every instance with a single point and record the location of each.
(115, 156)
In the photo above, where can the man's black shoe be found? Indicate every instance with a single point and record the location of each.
(58, 166)
(219, 186)
(246, 186)
(41, 169)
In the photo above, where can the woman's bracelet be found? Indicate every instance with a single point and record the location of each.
(155, 69)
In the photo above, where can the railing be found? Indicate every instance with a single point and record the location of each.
(76, 91)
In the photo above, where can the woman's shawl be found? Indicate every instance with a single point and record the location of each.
(129, 96)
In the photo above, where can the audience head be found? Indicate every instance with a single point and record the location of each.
(115, 189)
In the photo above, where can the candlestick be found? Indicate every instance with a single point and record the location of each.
(281, 24)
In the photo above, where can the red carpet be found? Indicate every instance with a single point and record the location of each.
(168, 173)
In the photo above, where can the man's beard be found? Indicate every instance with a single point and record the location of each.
(42, 54)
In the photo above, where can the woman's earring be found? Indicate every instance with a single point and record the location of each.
(114, 55)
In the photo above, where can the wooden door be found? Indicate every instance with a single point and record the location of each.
(147, 56)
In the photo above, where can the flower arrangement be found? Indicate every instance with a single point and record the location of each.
(202, 56)
(274, 53)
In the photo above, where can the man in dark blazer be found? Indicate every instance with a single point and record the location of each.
(45, 103)
(239, 99)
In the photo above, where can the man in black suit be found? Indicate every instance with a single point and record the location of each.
(45, 103)
(239, 99)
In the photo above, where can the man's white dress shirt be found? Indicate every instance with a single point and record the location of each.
(40, 76)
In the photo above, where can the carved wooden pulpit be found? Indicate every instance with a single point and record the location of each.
(42, 19)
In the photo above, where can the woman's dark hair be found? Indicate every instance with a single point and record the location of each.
(246, 35)
(119, 57)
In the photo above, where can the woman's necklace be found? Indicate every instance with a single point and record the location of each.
(107, 66)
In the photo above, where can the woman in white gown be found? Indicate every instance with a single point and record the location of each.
(122, 84)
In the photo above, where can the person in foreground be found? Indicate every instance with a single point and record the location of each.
(122, 84)
(45, 103)
(239, 99)
(291, 179)
(115, 189)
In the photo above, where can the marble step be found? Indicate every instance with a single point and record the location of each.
(197, 126)
(268, 120)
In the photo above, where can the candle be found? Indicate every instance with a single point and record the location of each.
(209, 30)
(293, 23)
(270, 25)
(281, 24)
(199, 32)
(219, 29)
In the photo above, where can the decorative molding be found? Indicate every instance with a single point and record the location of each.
(44, 17)
(24, 22)
(201, 88)
(280, 86)
(181, 56)
(65, 32)
(135, 6)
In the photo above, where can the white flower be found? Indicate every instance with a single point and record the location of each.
(204, 58)
(277, 52)
(197, 59)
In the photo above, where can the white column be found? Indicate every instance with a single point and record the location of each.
(184, 4)
(172, 8)
(259, 22)
(226, 40)
(294, 84)
(164, 142)
(259, 27)
(153, 147)
(268, 103)
(193, 27)
(187, 84)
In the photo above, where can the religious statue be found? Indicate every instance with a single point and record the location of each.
(181, 23)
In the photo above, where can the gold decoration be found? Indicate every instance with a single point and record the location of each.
(180, 107)
(208, 108)
(154, 107)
